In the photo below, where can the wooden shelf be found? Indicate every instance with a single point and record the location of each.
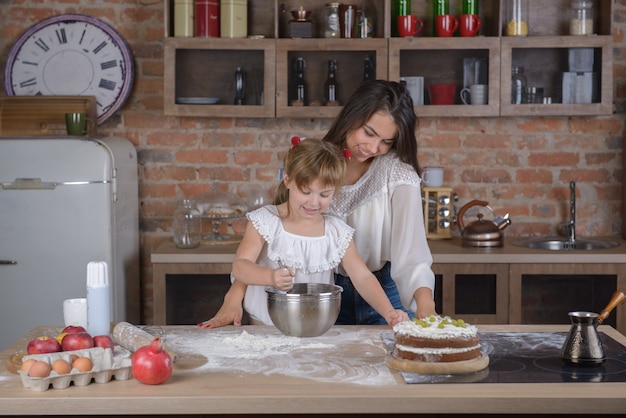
(205, 67)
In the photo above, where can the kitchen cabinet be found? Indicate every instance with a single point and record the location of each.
(480, 285)
(204, 68)
(539, 292)
(477, 293)
(173, 264)
(517, 285)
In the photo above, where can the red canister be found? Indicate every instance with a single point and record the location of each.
(207, 14)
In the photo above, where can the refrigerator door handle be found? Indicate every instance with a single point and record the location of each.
(37, 184)
(4, 262)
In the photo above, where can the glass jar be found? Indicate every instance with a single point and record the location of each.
(518, 85)
(516, 22)
(581, 17)
(332, 21)
(187, 224)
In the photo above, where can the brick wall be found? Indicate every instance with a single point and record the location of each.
(519, 165)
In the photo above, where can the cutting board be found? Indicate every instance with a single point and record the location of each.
(453, 367)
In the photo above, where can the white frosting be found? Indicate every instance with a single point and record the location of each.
(433, 330)
(436, 351)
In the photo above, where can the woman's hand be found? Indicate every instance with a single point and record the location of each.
(425, 303)
(396, 316)
(425, 308)
(282, 279)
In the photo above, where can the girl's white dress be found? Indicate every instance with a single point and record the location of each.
(385, 208)
(312, 259)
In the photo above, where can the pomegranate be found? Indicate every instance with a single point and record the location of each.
(151, 365)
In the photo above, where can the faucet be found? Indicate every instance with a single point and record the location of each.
(570, 227)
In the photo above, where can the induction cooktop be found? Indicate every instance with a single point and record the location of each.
(531, 357)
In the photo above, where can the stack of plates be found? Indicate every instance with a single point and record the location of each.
(197, 100)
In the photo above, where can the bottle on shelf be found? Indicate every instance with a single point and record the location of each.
(187, 224)
(581, 17)
(364, 25)
(330, 86)
(300, 96)
(240, 86)
(440, 8)
(398, 8)
(369, 72)
(470, 7)
(516, 18)
(518, 85)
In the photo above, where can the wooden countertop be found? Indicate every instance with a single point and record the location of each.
(348, 378)
(443, 251)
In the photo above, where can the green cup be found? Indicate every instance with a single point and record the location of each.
(78, 123)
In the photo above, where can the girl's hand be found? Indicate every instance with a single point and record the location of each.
(231, 312)
(282, 279)
(225, 316)
(396, 316)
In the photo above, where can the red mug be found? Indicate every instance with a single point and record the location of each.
(409, 25)
(446, 25)
(469, 25)
(442, 93)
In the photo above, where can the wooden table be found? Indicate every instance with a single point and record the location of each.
(361, 384)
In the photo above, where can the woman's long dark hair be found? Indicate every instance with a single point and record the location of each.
(379, 96)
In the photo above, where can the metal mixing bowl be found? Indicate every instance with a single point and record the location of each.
(307, 310)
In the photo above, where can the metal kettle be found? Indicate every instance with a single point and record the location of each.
(583, 345)
(481, 233)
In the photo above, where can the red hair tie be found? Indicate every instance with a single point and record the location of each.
(295, 140)
(347, 153)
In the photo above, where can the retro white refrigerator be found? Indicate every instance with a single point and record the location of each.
(63, 203)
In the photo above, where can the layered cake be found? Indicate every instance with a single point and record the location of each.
(434, 341)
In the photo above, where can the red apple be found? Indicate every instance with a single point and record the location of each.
(77, 341)
(43, 345)
(103, 341)
(73, 329)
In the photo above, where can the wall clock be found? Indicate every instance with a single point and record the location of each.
(72, 55)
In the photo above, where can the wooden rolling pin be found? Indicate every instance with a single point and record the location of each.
(132, 338)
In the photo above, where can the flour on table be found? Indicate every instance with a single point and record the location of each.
(245, 352)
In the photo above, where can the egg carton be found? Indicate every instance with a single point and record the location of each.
(107, 364)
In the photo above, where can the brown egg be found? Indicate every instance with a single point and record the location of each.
(26, 365)
(61, 366)
(73, 358)
(39, 369)
(83, 364)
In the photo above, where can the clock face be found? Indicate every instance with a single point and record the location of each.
(72, 55)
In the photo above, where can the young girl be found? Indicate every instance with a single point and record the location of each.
(295, 242)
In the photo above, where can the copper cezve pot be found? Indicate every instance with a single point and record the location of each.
(583, 345)
(481, 233)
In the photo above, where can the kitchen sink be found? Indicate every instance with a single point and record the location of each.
(565, 244)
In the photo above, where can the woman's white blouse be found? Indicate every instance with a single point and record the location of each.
(312, 259)
(385, 208)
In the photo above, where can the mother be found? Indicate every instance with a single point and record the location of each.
(381, 199)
